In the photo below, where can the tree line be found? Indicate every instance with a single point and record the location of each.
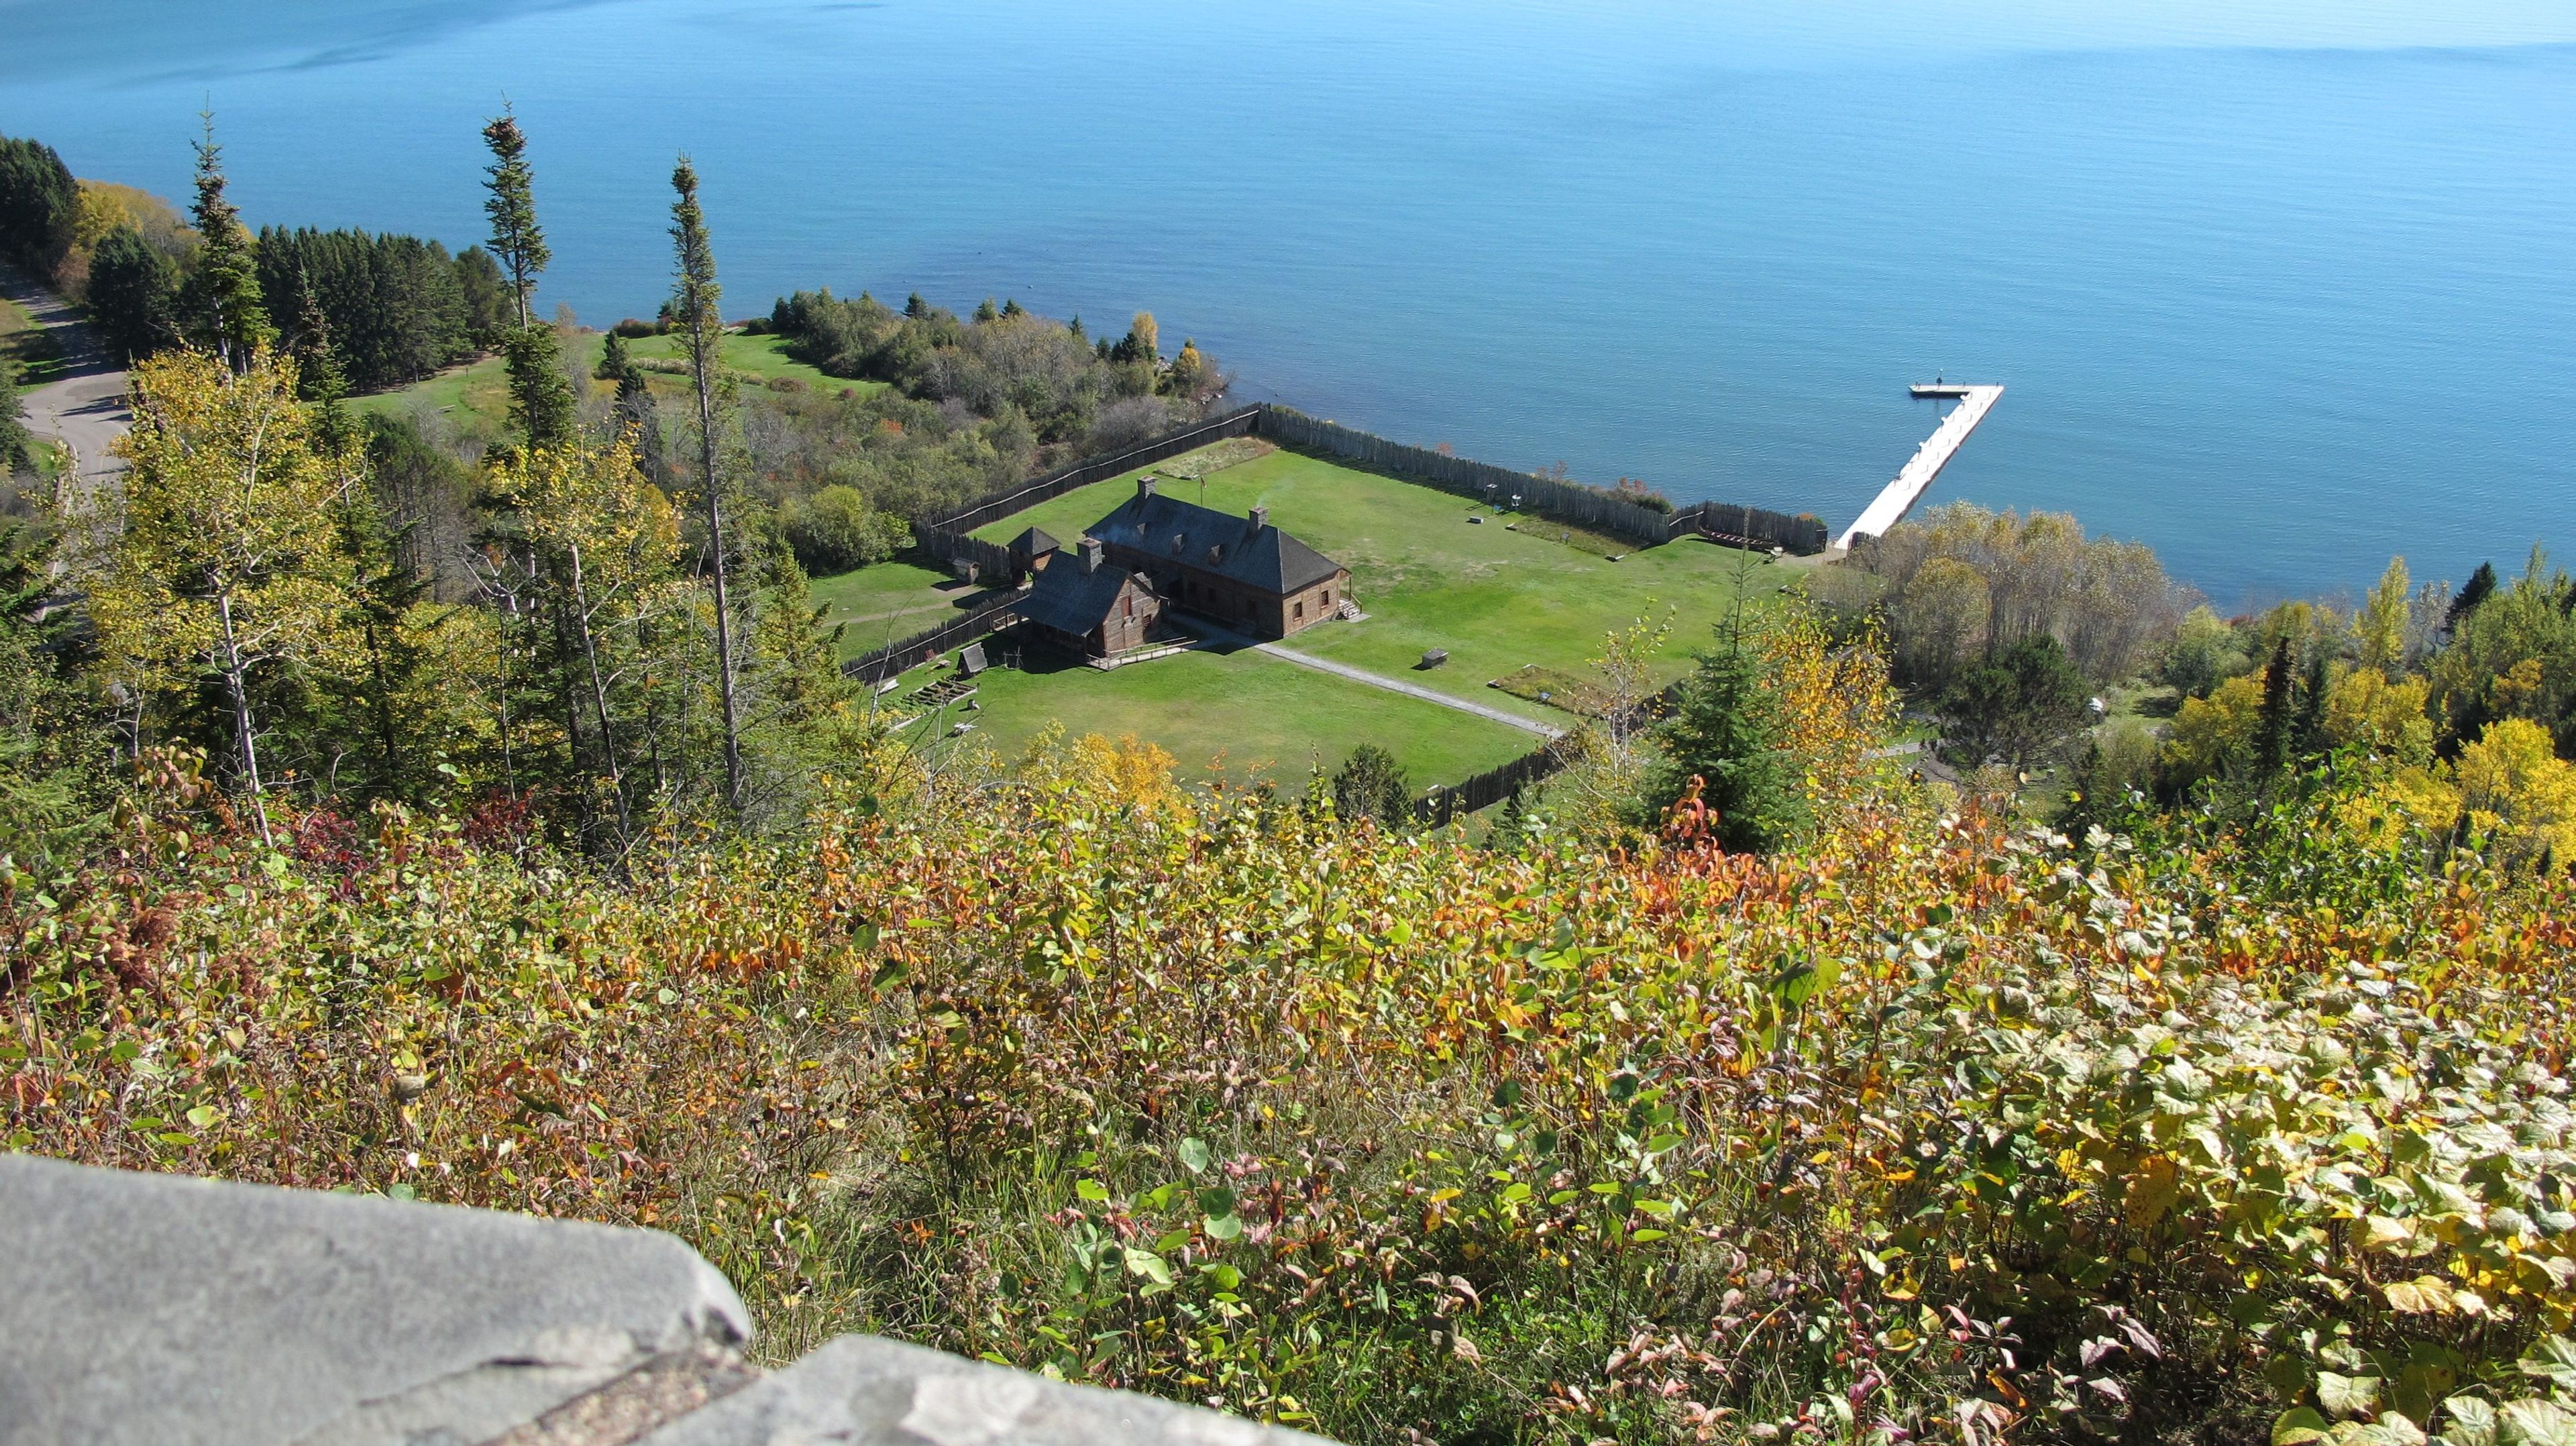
(398, 307)
(252, 605)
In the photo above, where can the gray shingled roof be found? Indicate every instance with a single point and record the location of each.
(1033, 543)
(1213, 541)
(1069, 600)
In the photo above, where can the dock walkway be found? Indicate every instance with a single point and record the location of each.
(1900, 495)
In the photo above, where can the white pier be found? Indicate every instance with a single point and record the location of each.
(1935, 453)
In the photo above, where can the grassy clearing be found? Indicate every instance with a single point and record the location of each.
(1497, 599)
(476, 397)
(27, 348)
(889, 601)
(1233, 714)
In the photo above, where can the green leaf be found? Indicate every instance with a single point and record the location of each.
(1216, 1200)
(2348, 1397)
(204, 1115)
(1149, 1265)
(2534, 1423)
(2553, 1360)
(2299, 1426)
(1194, 1154)
(1091, 1190)
(2472, 1421)
(1222, 1227)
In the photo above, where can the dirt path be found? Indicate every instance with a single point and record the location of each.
(84, 405)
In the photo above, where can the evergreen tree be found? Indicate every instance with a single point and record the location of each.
(1370, 784)
(133, 294)
(693, 304)
(614, 363)
(984, 312)
(2480, 586)
(1725, 735)
(39, 205)
(2272, 728)
(317, 365)
(2019, 706)
(541, 400)
(226, 314)
(2309, 733)
(1511, 831)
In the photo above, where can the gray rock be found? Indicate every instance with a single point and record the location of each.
(156, 1309)
(862, 1391)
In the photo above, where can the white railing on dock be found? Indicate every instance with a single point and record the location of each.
(1900, 495)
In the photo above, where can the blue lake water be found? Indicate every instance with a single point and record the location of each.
(2279, 288)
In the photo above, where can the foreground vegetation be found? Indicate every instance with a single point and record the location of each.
(1936, 1124)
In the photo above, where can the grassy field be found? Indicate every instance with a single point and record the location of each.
(475, 398)
(889, 601)
(1496, 599)
(1232, 713)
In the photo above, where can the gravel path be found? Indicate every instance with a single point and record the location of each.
(84, 406)
(1375, 680)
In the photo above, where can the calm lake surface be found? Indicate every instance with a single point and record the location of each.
(2281, 289)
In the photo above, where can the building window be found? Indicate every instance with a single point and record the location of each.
(1131, 605)
(1328, 597)
(1301, 609)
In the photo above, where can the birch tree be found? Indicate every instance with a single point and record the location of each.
(225, 561)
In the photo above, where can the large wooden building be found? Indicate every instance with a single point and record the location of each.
(1238, 571)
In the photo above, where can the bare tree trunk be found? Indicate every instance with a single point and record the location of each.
(700, 364)
(242, 735)
(599, 703)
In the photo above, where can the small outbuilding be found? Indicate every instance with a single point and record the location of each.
(1030, 551)
(1084, 603)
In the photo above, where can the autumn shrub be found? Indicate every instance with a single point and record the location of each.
(2220, 1129)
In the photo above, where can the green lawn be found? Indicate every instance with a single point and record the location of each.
(1428, 578)
(1231, 713)
(27, 350)
(475, 395)
(889, 601)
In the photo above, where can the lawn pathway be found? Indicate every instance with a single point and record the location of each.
(1374, 680)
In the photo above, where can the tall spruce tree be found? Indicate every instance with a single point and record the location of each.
(226, 314)
(541, 400)
(2273, 726)
(1725, 734)
(693, 304)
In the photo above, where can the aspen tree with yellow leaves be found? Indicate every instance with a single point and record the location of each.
(225, 561)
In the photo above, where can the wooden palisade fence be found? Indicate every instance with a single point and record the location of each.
(1443, 805)
(989, 616)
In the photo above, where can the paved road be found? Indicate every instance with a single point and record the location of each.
(84, 406)
(1374, 680)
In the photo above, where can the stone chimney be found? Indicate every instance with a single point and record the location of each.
(1090, 556)
(1144, 487)
(1260, 518)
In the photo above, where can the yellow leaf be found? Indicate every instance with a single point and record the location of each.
(2153, 1188)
